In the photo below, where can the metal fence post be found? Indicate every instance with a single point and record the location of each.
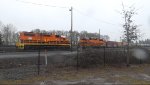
(104, 56)
(38, 66)
(77, 57)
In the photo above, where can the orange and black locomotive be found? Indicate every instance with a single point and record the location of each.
(30, 40)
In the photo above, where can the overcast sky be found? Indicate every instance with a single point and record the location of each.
(89, 15)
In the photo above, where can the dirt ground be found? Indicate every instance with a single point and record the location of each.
(135, 74)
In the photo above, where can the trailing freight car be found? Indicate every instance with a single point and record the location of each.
(115, 44)
(30, 40)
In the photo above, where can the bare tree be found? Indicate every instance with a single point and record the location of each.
(1, 26)
(9, 34)
(130, 28)
(36, 30)
(130, 32)
(75, 36)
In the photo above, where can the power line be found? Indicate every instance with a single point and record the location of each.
(41, 4)
(98, 20)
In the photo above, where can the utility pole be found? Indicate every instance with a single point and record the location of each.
(39, 54)
(99, 34)
(71, 10)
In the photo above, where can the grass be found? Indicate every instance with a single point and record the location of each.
(25, 81)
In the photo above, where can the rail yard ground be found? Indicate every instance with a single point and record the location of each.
(21, 68)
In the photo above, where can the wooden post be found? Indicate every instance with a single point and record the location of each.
(45, 57)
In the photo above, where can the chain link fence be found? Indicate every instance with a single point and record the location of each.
(24, 64)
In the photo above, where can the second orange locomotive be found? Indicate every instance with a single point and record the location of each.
(91, 42)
